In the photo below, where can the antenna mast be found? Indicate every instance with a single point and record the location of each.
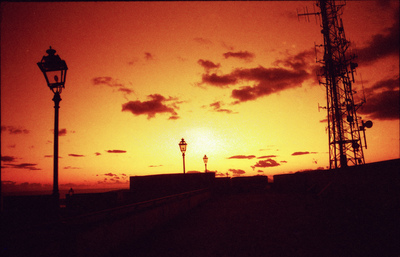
(338, 67)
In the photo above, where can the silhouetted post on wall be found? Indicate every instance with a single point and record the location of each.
(55, 71)
(56, 100)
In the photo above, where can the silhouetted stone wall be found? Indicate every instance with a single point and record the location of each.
(155, 186)
(247, 184)
(381, 178)
(222, 185)
(89, 202)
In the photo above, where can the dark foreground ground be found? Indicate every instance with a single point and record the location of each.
(277, 224)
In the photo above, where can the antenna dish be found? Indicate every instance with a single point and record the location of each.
(368, 124)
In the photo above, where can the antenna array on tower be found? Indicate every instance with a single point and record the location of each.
(337, 75)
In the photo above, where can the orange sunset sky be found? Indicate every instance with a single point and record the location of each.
(236, 80)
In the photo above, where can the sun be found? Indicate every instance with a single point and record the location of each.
(203, 141)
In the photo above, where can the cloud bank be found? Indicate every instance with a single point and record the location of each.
(260, 81)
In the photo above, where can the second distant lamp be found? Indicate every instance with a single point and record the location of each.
(205, 160)
(182, 146)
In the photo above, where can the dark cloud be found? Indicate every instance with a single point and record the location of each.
(217, 108)
(113, 178)
(300, 153)
(202, 41)
(14, 130)
(109, 81)
(391, 84)
(260, 81)
(381, 45)
(51, 156)
(155, 105)
(8, 158)
(301, 61)
(148, 56)
(155, 166)
(126, 90)
(266, 156)
(237, 172)
(383, 106)
(245, 55)
(71, 168)
(382, 100)
(26, 166)
(219, 80)
(266, 163)
(116, 151)
(113, 181)
(75, 155)
(174, 117)
(242, 157)
(62, 132)
(208, 65)
(267, 81)
(97, 153)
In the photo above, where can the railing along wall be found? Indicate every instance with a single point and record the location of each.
(99, 233)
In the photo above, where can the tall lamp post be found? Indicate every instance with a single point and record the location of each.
(205, 160)
(182, 146)
(55, 71)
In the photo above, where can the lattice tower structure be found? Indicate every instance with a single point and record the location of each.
(345, 145)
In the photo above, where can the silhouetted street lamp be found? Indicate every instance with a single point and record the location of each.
(182, 146)
(205, 160)
(55, 71)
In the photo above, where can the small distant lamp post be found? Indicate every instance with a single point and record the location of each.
(55, 71)
(205, 160)
(182, 146)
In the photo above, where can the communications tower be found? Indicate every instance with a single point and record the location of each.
(337, 75)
